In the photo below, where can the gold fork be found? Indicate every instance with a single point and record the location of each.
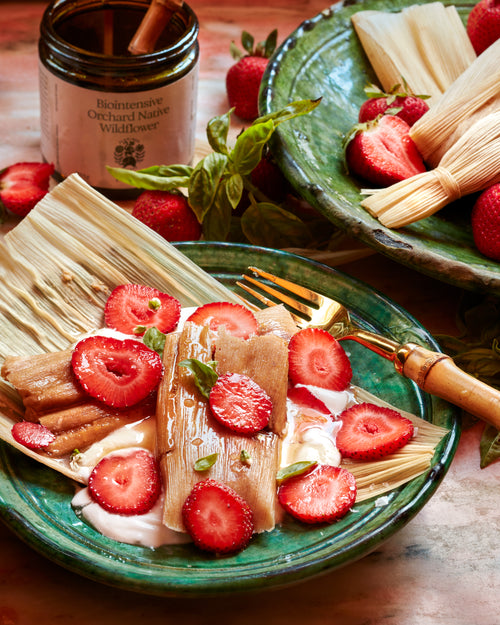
(433, 372)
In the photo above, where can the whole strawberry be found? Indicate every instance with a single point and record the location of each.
(267, 177)
(485, 220)
(244, 77)
(23, 185)
(397, 102)
(382, 152)
(169, 214)
(483, 24)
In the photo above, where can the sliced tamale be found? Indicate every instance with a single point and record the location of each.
(276, 320)
(265, 360)
(188, 432)
(45, 382)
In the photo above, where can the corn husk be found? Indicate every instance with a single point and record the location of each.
(473, 95)
(57, 268)
(470, 165)
(376, 478)
(426, 46)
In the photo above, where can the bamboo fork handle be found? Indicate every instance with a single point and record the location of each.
(438, 375)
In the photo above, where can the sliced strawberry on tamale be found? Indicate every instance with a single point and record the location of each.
(187, 432)
(264, 359)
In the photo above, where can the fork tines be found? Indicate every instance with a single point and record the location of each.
(280, 296)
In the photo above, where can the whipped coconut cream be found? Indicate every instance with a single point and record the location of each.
(316, 441)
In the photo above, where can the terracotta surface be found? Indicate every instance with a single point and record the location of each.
(442, 568)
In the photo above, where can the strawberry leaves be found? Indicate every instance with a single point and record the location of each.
(219, 182)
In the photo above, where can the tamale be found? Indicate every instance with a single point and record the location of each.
(424, 46)
(265, 360)
(471, 164)
(473, 95)
(187, 432)
(276, 320)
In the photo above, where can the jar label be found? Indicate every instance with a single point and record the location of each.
(83, 130)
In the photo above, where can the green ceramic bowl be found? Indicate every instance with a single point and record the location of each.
(323, 58)
(35, 501)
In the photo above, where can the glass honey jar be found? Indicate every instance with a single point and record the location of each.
(102, 106)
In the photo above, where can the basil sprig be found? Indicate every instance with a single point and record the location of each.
(216, 185)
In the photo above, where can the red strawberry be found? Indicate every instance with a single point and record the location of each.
(370, 432)
(322, 495)
(32, 435)
(118, 373)
(316, 358)
(217, 518)
(132, 308)
(397, 102)
(126, 483)
(244, 77)
(23, 185)
(169, 214)
(382, 152)
(485, 221)
(237, 319)
(303, 398)
(483, 24)
(240, 404)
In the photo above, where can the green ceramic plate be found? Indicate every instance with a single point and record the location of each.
(323, 58)
(35, 501)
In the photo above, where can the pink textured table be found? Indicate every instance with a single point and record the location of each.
(443, 568)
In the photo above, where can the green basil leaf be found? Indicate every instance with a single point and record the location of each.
(153, 178)
(272, 226)
(217, 221)
(298, 468)
(245, 457)
(204, 374)
(203, 464)
(248, 147)
(204, 183)
(294, 109)
(234, 190)
(155, 340)
(217, 131)
(489, 446)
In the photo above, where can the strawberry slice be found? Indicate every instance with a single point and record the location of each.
(316, 358)
(217, 518)
(303, 398)
(118, 373)
(23, 185)
(382, 152)
(237, 319)
(370, 432)
(132, 308)
(32, 435)
(322, 495)
(126, 483)
(240, 404)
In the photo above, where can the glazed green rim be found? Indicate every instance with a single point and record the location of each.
(324, 59)
(35, 501)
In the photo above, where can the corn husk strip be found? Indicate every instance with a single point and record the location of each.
(59, 264)
(470, 165)
(425, 46)
(473, 95)
(376, 478)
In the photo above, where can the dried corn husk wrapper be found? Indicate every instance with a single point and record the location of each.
(426, 46)
(57, 268)
(474, 94)
(470, 165)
